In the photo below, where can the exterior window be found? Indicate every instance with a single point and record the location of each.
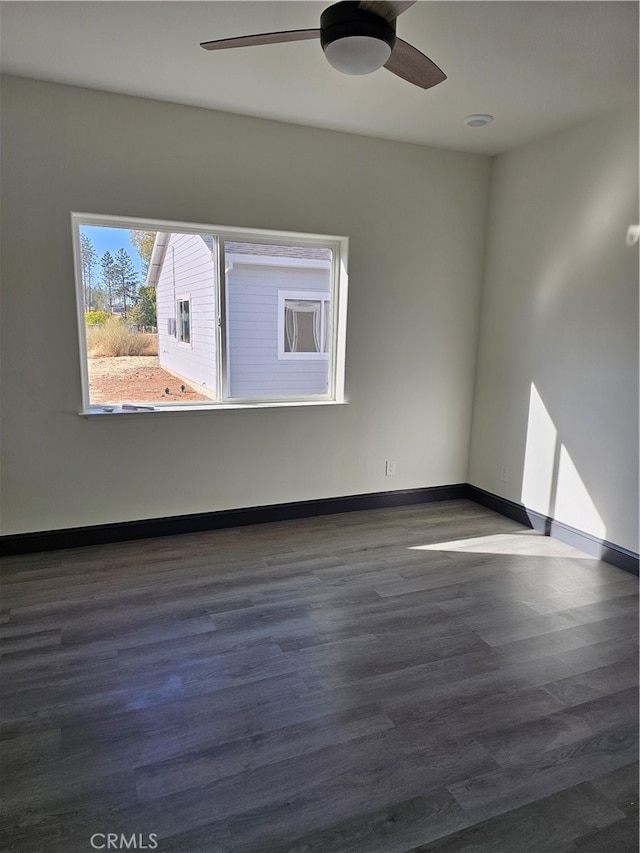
(303, 325)
(209, 316)
(184, 327)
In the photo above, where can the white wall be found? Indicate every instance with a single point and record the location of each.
(557, 384)
(415, 218)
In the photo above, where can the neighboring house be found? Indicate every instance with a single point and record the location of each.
(278, 309)
(182, 271)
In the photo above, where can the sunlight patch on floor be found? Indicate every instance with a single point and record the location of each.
(526, 544)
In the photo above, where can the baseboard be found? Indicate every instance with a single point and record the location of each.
(618, 556)
(126, 531)
(104, 534)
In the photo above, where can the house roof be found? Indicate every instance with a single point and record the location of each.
(157, 257)
(318, 253)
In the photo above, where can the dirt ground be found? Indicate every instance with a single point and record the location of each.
(136, 379)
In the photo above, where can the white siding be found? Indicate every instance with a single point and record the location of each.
(252, 323)
(188, 273)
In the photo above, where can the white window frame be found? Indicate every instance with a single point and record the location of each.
(337, 296)
(186, 297)
(323, 297)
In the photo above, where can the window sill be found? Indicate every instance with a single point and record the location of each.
(119, 411)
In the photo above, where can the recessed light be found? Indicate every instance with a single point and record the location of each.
(478, 120)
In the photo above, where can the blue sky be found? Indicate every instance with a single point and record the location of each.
(111, 239)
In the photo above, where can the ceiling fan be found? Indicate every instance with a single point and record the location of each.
(357, 38)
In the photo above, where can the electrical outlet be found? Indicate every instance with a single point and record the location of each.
(390, 469)
(504, 473)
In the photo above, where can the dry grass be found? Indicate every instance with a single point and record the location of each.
(114, 338)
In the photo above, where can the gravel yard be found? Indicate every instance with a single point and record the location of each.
(135, 379)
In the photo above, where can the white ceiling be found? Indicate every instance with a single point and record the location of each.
(536, 66)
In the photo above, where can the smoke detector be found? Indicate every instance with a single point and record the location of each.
(478, 120)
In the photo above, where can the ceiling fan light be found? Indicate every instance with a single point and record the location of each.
(357, 54)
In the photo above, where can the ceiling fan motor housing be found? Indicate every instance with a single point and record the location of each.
(347, 20)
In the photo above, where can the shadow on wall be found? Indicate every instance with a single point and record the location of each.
(551, 484)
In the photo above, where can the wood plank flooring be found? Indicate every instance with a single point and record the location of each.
(426, 678)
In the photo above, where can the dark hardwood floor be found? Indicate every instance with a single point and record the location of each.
(427, 678)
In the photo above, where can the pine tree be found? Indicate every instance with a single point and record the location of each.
(108, 278)
(125, 280)
(89, 259)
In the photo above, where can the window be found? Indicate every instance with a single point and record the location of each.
(179, 315)
(303, 321)
(184, 335)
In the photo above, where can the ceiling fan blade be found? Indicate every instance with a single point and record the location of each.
(407, 62)
(387, 9)
(261, 38)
